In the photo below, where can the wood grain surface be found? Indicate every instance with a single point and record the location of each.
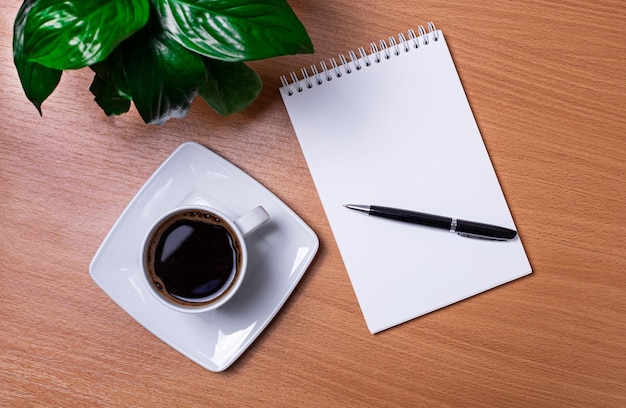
(547, 84)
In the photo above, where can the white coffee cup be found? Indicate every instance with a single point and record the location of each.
(194, 257)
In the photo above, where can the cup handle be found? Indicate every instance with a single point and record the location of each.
(251, 220)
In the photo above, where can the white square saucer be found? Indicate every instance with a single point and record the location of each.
(280, 251)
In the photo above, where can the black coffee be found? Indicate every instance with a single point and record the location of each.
(192, 256)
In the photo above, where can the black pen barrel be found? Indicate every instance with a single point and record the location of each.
(414, 217)
(484, 230)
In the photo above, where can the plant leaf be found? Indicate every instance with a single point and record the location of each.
(112, 69)
(234, 30)
(71, 34)
(108, 96)
(163, 77)
(230, 86)
(109, 85)
(37, 81)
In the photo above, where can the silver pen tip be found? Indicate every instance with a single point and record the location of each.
(358, 207)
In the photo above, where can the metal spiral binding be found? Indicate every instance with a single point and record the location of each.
(384, 49)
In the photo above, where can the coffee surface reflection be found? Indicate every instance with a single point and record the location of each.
(193, 257)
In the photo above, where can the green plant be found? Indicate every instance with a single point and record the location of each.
(158, 53)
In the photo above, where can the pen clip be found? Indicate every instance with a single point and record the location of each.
(476, 236)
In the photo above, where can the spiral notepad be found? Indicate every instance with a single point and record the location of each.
(392, 126)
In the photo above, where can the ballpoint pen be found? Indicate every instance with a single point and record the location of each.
(464, 228)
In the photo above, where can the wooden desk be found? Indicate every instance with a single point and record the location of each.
(547, 83)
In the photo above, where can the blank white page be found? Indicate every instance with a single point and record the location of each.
(400, 133)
